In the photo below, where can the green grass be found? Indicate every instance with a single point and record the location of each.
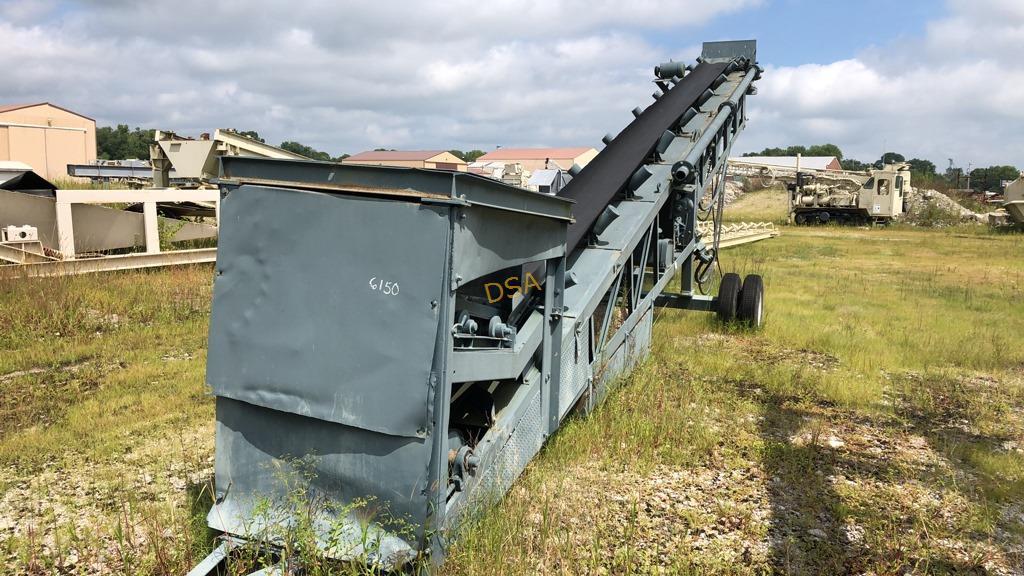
(772, 205)
(873, 425)
(879, 401)
(768, 205)
(71, 183)
(105, 425)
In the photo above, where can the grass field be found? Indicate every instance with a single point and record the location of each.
(770, 205)
(875, 425)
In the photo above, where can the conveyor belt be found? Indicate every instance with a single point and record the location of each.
(325, 344)
(596, 185)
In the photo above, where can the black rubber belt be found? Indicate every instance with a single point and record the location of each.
(596, 185)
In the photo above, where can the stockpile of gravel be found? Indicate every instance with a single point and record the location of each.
(932, 206)
(733, 190)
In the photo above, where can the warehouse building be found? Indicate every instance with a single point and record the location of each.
(539, 158)
(46, 137)
(439, 159)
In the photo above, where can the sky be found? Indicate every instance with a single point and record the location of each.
(934, 80)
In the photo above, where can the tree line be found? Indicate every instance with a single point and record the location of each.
(124, 143)
(923, 172)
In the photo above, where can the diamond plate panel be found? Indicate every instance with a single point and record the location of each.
(640, 339)
(522, 444)
(575, 371)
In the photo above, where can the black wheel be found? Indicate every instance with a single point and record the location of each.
(728, 297)
(800, 218)
(751, 301)
(824, 217)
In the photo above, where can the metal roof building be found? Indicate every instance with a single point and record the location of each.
(46, 137)
(540, 158)
(439, 159)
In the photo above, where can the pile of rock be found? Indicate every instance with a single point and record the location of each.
(733, 190)
(924, 205)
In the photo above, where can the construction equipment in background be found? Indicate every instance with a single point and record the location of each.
(879, 200)
(21, 245)
(1013, 200)
(178, 161)
(418, 334)
(823, 196)
(514, 175)
(50, 231)
(82, 231)
(197, 159)
(132, 173)
(78, 231)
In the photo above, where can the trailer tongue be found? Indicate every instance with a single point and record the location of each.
(403, 341)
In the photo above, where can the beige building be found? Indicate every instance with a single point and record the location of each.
(439, 159)
(540, 158)
(46, 137)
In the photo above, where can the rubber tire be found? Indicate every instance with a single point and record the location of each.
(728, 297)
(751, 302)
(824, 217)
(800, 219)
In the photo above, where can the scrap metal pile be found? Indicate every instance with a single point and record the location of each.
(411, 337)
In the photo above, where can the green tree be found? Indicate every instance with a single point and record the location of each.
(815, 150)
(472, 155)
(990, 179)
(825, 150)
(123, 143)
(789, 151)
(854, 165)
(468, 156)
(303, 150)
(923, 174)
(922, 167)
(889, 158)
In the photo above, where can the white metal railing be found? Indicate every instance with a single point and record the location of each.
(148, 198)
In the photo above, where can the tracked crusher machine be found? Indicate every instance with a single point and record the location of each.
(405, 340)
(878, 197)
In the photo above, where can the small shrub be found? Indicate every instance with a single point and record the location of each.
(935, 216)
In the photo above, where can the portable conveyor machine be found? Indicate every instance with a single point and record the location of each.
(406, 339)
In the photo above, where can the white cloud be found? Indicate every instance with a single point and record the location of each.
(957, 92)
(467, 74)
(342, 77)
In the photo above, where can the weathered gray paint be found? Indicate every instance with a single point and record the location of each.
(277, 393)
(306, 358)
(487, 241)
(270, 317)
(259, 454)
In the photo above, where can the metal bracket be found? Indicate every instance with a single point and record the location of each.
(696, 302)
